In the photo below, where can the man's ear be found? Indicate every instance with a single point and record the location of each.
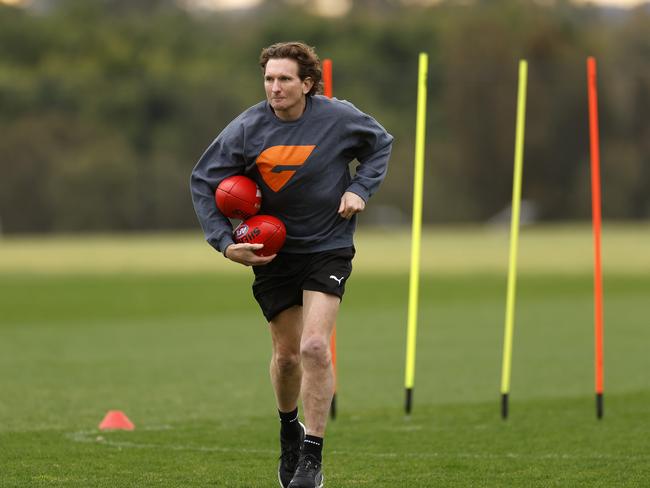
(307, 85)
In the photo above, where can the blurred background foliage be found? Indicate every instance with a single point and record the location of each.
(106, 105)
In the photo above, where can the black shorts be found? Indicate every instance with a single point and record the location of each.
(279, 284)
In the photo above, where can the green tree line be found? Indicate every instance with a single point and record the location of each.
(106, 105)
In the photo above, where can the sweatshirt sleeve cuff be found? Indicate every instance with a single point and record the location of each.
(358, 189)
(220, 244)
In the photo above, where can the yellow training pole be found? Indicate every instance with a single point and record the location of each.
(417, 228)
(514, 237)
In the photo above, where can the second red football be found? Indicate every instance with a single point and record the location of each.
(262, 229)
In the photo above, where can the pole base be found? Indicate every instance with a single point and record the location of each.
(504, 406)
(599, 406)
(333, 407)
(409, 401)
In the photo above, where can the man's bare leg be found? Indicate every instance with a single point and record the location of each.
(319, 316)
(285, 368)
(286, 374)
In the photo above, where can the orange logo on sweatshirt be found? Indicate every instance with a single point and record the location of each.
(278, 164)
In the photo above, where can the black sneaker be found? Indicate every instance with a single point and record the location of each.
(308, 474)
(289, 457)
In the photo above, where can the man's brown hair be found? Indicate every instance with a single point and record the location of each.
(308, 62)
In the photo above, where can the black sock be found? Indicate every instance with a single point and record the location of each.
(313, 445)
(289, 425)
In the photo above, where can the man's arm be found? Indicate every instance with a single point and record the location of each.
(373, 146)
(223, 158)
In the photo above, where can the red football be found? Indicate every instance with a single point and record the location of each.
(262, 229)
(238, 197)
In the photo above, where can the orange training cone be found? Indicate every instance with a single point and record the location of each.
(116, 420)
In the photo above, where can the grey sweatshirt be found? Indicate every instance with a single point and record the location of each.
(302, 168)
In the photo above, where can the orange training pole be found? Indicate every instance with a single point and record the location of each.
(327, 82)
(596, 218)
(327, 77)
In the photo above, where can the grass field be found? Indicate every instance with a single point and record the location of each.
(166, 330)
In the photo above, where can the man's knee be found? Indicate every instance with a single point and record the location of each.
(286, 362)
(315, 350)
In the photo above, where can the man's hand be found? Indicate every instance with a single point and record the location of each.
(351, 204)
(243, 254)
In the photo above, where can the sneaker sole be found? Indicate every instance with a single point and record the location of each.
(304, 433)
(322, 483)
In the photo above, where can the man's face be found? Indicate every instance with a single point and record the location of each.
(285, 91)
